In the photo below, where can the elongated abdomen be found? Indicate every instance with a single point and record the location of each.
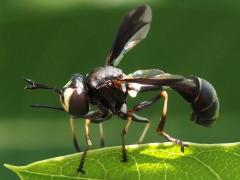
(203, 98)
(206, 105)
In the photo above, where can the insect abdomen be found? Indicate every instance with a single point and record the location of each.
(202, 97)
(206, 105)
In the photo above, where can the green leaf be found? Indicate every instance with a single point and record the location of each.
(149, 161)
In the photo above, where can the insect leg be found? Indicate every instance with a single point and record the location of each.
(106, 115)
(93, 117)
(137, 118)
(74, 135)
(160, 128)
(124, 131)
(140, 119)
(99, 117)
(89, 143)
(91, 114)
(101, 135)
(131, 117)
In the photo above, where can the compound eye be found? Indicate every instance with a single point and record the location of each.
(78, 102)
(74, 98)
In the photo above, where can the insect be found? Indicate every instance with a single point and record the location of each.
(106, 88)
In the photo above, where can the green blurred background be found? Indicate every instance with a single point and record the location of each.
(49, 40)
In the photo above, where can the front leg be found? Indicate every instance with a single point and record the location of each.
(98, 117)
(89, 143)
(74, 137)
(91, 117)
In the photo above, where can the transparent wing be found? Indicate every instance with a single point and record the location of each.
(154, 79)
(135, 87)
(148, 73)
(163, 79)
(134, 27)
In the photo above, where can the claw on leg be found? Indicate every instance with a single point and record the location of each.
(181, 144)
(173, 140)
(124, 156)
(160, 128)
(80, 170)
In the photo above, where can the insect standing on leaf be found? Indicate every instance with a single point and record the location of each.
(107, 88)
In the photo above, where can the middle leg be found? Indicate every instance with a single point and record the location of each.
(137, 118)
(124, 131)
(130, 116)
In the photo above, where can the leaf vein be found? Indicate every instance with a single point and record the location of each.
(207, 166)
(137, 167)
(103, 167)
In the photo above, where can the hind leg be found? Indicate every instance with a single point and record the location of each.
(160, 128)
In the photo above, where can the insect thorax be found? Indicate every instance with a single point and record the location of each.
(100, 88)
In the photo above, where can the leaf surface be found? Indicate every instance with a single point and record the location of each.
(148, 161)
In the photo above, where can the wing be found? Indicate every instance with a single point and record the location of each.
(165, 79)
(156, 79)
(148, 73)
(134, 27)
(139, 81)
